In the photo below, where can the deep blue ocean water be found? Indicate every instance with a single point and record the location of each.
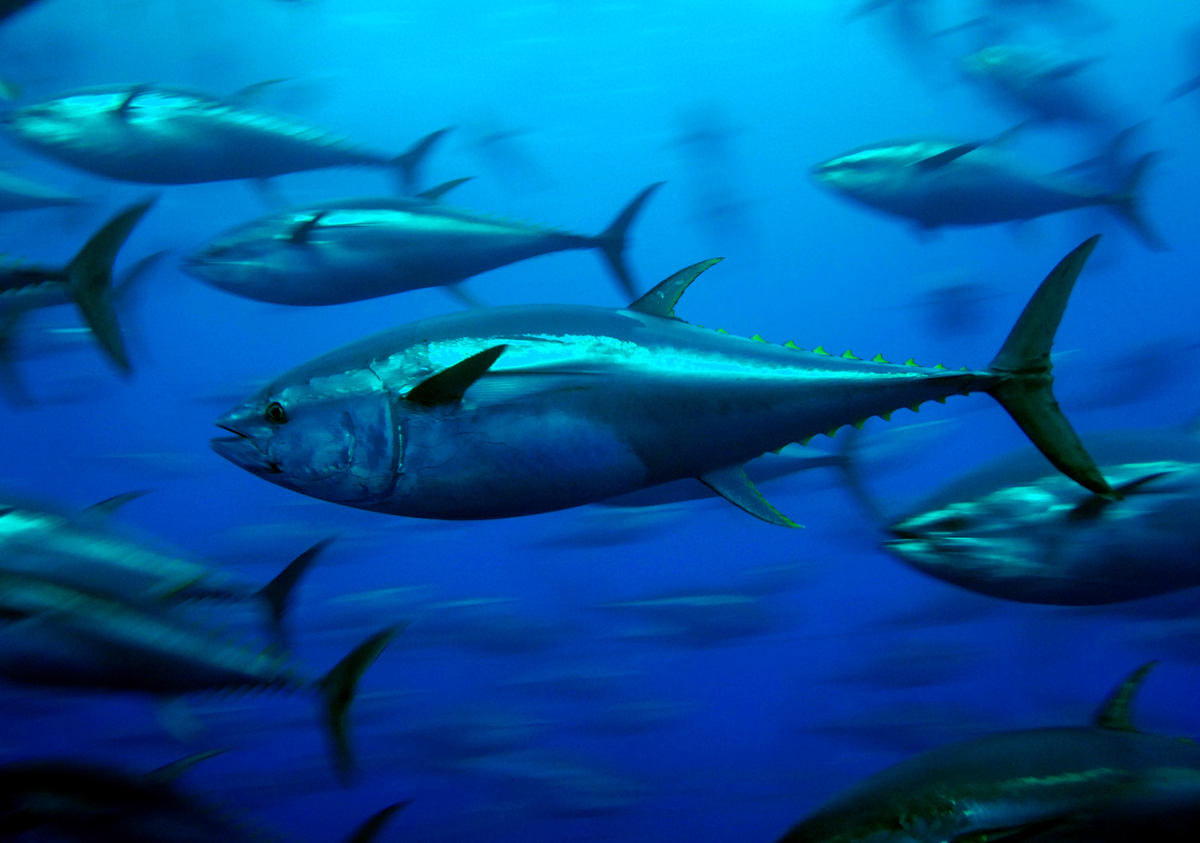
(611, 728)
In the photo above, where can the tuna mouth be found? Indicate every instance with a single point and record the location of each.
(242, 452)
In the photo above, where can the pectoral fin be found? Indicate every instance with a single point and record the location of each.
(449, 385)
(108, 506)
(732, 484)
(304, 228)
(934, 162)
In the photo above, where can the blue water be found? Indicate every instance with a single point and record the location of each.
(744, 735)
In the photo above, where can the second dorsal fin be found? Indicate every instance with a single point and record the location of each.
(1116, 711)
(661, 300)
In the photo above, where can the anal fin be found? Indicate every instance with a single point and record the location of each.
(732, 484)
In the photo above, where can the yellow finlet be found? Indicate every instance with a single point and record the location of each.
(722, 331)
(831, 432)
(885, 416)
(941, 399)
(850, 356)
(757, 338)
(916, 408)
(804, 442)
(939, 366)
(859, 424)
(910, 362)
(820, 349)
(790, 344)
(878, 358)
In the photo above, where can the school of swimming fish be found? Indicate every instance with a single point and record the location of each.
(510, 411)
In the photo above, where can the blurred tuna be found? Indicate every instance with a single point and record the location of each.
(1041, 84)
(148, 133)
(59, 637)
(698, 619)
(51, 799)
(86, 281)
(86, 551)
(17, 194)
(937, 183)
(1013, 529)
(512, 411)
(1104, 782)
(359, 249)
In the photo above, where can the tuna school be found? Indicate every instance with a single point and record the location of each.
(538, 588)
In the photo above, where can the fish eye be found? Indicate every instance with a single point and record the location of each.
(275, 413)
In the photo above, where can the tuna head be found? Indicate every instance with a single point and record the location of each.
(269, 259)
(333, 437)
(72, 122)
(1045, 541)
(875, 175)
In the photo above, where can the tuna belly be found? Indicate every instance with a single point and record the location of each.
(514, 464)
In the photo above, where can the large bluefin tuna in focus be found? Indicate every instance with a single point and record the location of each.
(938, 183)
(515, 410)
(158, 135)
(1014, 529)
(357, 249)
(1104, 783)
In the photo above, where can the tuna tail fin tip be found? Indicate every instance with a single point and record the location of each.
(277, 594)
(1023, 367)
(1126, 204)
(409, 162)
(612, 240)
(89, 275)
(337, 689)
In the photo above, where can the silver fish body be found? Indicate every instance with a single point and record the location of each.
(1040, 83)
(1071, 784)
(159, 135)
(84, 551)
(982, 186)
(516, 410)
(1106, 783)
(1010, 529)
(360, 249)
(52, 635)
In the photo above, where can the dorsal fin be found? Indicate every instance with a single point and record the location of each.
(662, 299)
(1115, 713)
(449, 385)
(436, 193)
(303, 229)
(168, 774)
(108, 506)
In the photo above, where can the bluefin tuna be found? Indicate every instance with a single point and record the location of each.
(160, 135)
(86, 281)
(940, 183)
(1103, 783)
(1012, 529)
(1042, 84)
(84, 550)
(18, 194)
(510, 411)
(65, 799)
(53, 636)
(356, 249)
